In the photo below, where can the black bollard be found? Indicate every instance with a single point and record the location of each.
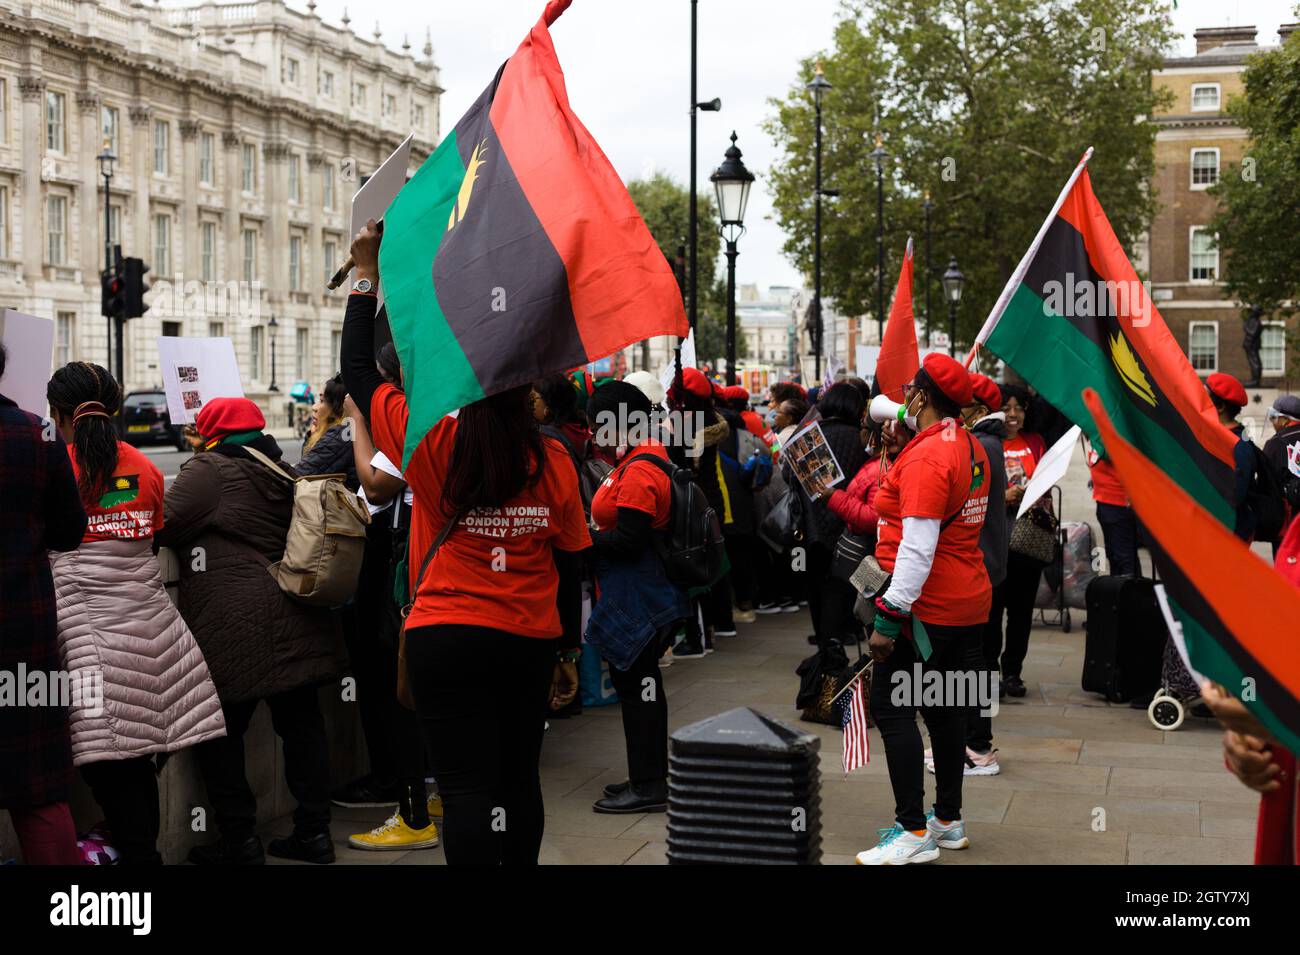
(743, 789)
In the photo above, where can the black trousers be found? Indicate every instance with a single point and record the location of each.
(645, 716)
(127, 792)
(897, 696)
(297, 720)
(742, 551)
(1014, 597)
(716, 604)
(481, 695)
(830, 600)
(1119, 531)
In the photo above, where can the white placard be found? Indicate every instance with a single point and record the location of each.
(1176, 632)
(668, 374)
(1051, 468)
(372, 200)
(196, 370)
(29, 340)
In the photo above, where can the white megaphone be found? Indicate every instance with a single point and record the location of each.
(883, 409)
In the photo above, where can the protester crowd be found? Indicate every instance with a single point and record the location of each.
(535, 526)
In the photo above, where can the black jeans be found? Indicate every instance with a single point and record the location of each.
(127, 792)
(742, 551)
(894, 705)
(1014, 596)
(297, 720)
(645, 715)
(830, 600)
(1119, 531)
(481, 695)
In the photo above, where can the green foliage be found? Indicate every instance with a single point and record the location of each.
(988, 106)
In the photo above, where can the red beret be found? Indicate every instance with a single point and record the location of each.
(735, 393)
(1227, 388)
(223, 416)
(986, 391)
(693, 381)
(717, 388)
(950, 376)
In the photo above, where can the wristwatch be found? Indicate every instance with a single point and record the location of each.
(364, 286)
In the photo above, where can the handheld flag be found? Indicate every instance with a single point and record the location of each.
(1073, 313)
(1238, 614)
(857, 744)
(515, 251)
(899, 358)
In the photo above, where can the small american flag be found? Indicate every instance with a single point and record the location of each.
(857, 746)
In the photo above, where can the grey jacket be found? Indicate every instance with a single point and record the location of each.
(990, 431)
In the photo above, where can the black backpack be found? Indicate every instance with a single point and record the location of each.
(691, 546)
(1265, 499)
(591, 470)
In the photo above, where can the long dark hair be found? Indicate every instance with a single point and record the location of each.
(89, 396)
(561, 399)
(498, 452)
(842, 401)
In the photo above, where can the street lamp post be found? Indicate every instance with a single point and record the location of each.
(953, 281)
(273, 325)
(878, 157)
(732, 180)
(819, 85)
(106, 160)
(711, 106)
(928, 206)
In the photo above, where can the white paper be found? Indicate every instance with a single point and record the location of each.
(196, 370)
(811, 458)
(1176, 632)
(668, 374)
(29, 340)
(372, 200)
(1050, 469)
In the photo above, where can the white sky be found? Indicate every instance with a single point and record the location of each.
(627, 64)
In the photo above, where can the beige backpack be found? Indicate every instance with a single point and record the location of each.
(326, 540)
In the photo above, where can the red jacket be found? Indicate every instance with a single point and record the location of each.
(1277, 836)
(855, 505)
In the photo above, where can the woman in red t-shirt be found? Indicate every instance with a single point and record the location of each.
(482, 626)
(1015, 596)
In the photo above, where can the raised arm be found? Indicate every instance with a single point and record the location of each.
(360, 375)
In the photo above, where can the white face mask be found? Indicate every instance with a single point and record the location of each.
(909, 419)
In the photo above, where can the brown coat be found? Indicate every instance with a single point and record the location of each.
(226, 516)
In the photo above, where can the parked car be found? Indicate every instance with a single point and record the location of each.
(147, 422)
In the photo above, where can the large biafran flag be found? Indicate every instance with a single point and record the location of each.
(1075, 314)
(515, 251)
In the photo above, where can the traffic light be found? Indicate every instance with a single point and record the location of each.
(134, 288)
(112, 301)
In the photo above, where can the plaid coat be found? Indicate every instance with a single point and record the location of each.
(41, 511)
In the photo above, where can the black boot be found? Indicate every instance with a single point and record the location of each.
(318, 848)
(223, 852)
(613, 789)
(651, 797)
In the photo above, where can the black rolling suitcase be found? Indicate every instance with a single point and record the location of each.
(1126, 637)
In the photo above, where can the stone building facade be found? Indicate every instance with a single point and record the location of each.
(240, 132)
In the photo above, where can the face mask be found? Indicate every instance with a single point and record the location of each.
(909, 419)
(620, 452)
(771, 419)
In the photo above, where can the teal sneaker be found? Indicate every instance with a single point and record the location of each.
(897, 846)
(947, 835)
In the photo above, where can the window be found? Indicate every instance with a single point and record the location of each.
(162, 244)
(330, 253)
(56, 229)
(295, 178)
(255, 353)
(250, 255)
(56, 111)
(359, 95)
(4, 221)
(64, 323)
(327, 185)
(1203, 346)
(248, 167)
(162, 136)
(390, 104)
(171, 329)
(1205, 97)
(208, 251)
(1204, 256)
(289, 71)
(108, 120)
(216, 329)
(1272, 349)
(1205, 167)
(336, 348)
(207, 146)
(417, 116)
(295, 263)
(4, 110)
(326, 86)
(301, 356)
(114, 224)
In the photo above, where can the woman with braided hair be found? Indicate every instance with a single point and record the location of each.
(141, 687)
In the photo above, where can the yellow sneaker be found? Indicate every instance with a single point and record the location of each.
(435, 805)
(395, 834)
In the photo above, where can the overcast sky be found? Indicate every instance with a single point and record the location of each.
(627, 64)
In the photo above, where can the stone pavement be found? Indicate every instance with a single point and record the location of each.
(1065, 754)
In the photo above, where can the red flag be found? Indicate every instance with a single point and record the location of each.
(899, 358)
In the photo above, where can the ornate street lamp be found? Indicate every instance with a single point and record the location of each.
(273, 325)
(953, 281)
(731, 181)
(819, 87)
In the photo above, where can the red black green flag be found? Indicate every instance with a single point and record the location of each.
(515, 250)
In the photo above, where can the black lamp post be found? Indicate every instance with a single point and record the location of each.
(273, 325)
(732, 180)
(106, 160)
(928, 206)
(819, 85)
(878, 157)
(711, 106)
(953, 281)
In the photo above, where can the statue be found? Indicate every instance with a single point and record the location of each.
(1252, 333)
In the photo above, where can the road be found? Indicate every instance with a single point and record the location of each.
(169, 460)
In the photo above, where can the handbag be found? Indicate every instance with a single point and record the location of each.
(824, 675)
(1033, 535)
(404, 694)
(850, 550)
(782, 528)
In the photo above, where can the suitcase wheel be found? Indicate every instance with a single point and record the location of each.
(1166, 713)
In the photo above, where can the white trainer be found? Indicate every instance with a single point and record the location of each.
(897, 846)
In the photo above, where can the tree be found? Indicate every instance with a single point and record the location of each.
(1259, 198)
(664, 204)
(988, 106)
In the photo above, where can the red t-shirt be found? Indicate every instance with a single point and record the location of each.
(1021, 458)
(932, 478)
(639, 485)
(1106, 485)
(131, 505)
(495, 569)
